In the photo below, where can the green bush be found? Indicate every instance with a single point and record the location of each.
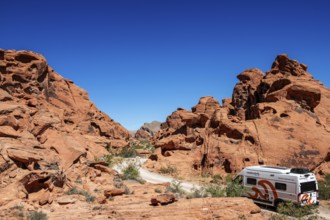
(74, 191)
(278, 217)
(168, 170)
(18, 210)
(218, 189)
(157, 190)
(215, 190)
(109, 159)
(35, 215)
(175, 187)
(128, 152)
(294, 210)
(218, 179)
(142, 144)
(234, 189)
(324, 188)
(131, 172)
(198, 193)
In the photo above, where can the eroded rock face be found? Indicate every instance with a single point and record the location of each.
(148, 130)
(278, 118)
(47, 124)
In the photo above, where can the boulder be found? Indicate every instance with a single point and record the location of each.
(163, 199)
(66, 200)
(111, 192)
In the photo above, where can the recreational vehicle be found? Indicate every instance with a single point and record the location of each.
(270, 185)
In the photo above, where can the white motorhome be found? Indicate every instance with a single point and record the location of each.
(270, 185)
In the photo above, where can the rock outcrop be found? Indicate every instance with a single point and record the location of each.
(49, 128)
(278, 118)
(148, 130)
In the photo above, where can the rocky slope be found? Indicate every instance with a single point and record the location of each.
(278, 118)
(49, 128)
(148, 130)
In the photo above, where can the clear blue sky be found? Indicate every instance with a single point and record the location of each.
(141, 59)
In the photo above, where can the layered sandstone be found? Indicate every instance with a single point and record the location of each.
(278, 118)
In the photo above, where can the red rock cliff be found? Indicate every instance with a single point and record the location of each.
(47, 123)
(278, 118)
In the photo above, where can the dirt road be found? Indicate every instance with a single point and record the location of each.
(152, 177)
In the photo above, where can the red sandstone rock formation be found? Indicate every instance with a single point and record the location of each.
(148, 130)
(280, 118)
(48, 127)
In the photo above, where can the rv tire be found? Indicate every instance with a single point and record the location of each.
(278, 202)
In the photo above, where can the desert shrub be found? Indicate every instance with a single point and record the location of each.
(198, 193)
(242, 217)
(18, 210)
(117, 182)
(78, 180)
(37, 215)
(324, 188)
(234, 189)
(157, 190)
(131, 172)
(89, 198)
(109, 159)
(142, 144)
(215, 190)
(168, 170)
(74, 191)
(278, 217)
(150, 147)
(294, 210)
(217, 179)
(128, 152)
(175, 187)
(97, 208)
(128, 191)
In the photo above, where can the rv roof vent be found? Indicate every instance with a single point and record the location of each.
(299, 170)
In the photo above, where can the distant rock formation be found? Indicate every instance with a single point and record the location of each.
(148, 130)
(278, 118)
(48, 127)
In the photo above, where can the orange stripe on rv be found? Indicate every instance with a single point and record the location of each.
(265, 196)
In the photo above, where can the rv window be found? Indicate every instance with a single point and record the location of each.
(280, 186)
(308, 186)
(251, 181)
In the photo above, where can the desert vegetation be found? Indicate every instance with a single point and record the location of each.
(74, 191)
(324, 188)
(37, 215)
(131, 172)
(171, 170)
(293, 210)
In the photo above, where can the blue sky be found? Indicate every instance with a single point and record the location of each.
(141, 59)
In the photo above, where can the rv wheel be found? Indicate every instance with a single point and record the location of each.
(278, 202)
